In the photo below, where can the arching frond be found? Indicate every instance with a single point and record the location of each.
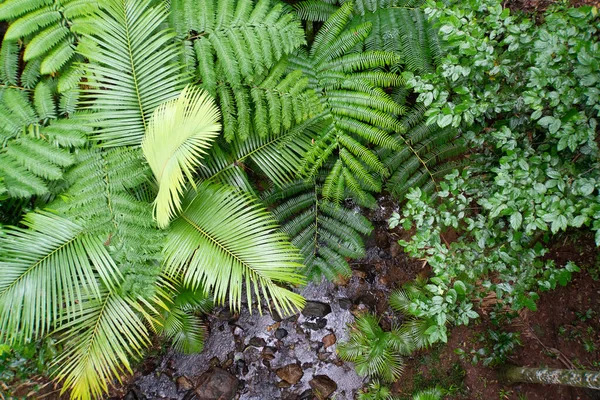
(50, 27)
(99, 341)
(133, 70)
(225, 242)
(48, 271)
(179, 134)
(325, 233)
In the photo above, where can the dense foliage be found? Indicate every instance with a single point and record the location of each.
(526, 96)
(161, 156)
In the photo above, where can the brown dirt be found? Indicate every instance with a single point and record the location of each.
(563, 333)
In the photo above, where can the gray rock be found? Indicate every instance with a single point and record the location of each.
(216, 384)
(316, 309)
(281, 333)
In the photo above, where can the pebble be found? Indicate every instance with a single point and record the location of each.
(281, 333)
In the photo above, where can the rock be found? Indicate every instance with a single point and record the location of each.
(283, 385)
(369, 300)
(216, 384)
(273, 327)
(238, 331)
(184, 384)
(383, 255)
(318, 324)
(257, 342)
(345, 304)
(316, 309)
(322, 386)
(329, 340)
(291, 373)
(281, 333)
(131, 395)
(306, 395)
(395, 249)
(268, 352)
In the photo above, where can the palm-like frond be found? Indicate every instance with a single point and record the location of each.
(225, 243)
(133, 69)
(376, 353)
(180, 323)
(434, 393)
(178, 135)
(48, 271)
(100, 199)
(99, 341)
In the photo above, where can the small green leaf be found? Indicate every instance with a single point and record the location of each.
(516, 219)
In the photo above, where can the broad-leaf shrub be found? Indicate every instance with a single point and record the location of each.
(528, 96)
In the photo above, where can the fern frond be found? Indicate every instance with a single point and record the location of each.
(12, 9)
(31, 23)
(9, 63)
(324, 232)
(43, 100)
(314, 10)
(230, 29)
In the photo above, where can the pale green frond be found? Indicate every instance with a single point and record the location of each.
(99, 341)
(225, 242)
(179, 133)
(48, 270)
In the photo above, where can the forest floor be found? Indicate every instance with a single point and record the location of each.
(564, 332)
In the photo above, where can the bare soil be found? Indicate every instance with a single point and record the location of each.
(564, 332)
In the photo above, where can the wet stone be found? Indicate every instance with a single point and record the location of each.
(316, 309)
(268, 352)
(322, 386)
(131, 395)
(257, 342)
(306, 395)
(184, 384)
(345, 304)
(320, 323)
(291, 373)
(329, 340)
(281, 333)
(216, 384)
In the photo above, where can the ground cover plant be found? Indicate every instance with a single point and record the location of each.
(159, 157)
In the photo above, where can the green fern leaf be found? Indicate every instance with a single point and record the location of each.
(9, 63)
